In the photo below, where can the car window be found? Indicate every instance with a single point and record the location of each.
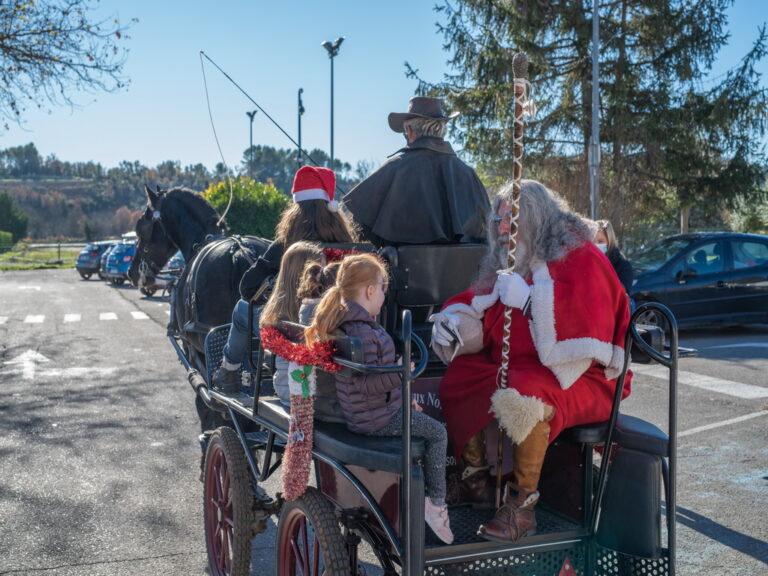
(119, 249)
(91, 247)
(748, 253)
(703, 259)
(656, 256)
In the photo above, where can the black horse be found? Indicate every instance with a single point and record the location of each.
(207, 290)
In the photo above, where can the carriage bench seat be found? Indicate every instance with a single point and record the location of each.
(631, 432)
(336, 441)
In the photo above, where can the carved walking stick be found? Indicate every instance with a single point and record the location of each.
(520, 69)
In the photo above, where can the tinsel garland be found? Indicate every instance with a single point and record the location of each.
(318, 354)
(303, 359)
(297, 460)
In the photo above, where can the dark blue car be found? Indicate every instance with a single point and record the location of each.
(89, 259)
(705, 278)
(118, 262)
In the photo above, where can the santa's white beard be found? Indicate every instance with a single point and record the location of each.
(521, 255)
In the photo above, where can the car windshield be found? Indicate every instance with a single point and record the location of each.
(119, 249)
(655, 256)
(91, 247)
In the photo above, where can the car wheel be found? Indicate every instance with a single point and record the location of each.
(85, 275)
(148, 292)
(653, 318)
(119, 281)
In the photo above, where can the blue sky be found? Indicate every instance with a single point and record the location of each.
(271, 49)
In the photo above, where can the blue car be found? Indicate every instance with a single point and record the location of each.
(89, 258)
(705, 278)
(118, 262)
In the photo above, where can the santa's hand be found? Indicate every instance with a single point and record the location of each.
(445, 330)
(513, 290)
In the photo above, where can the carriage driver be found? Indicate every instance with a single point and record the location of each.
(569, 316)
(388, 205)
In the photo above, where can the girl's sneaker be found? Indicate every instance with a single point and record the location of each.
(437, 519)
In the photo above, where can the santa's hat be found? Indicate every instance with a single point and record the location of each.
(315, 183)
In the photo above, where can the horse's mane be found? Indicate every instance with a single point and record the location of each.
(198, 206)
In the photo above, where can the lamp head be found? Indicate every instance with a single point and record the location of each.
(333, 47)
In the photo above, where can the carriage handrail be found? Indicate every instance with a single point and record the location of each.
(671, 363)
(386, 368)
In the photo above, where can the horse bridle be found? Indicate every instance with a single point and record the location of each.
(145, 264)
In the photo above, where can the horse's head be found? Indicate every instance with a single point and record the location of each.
(154, 246)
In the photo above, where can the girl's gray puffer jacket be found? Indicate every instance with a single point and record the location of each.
(369, 401)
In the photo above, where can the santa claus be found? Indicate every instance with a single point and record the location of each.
(569, 317)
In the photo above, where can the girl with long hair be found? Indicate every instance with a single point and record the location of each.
(371, 403)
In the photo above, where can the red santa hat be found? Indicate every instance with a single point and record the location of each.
(315, 183)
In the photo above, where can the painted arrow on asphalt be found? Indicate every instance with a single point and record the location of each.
(27, 364)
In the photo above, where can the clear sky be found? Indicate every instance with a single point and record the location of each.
(271, 49)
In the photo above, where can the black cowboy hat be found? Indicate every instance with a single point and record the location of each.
(419, 107)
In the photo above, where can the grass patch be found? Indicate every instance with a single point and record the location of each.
(23, 257)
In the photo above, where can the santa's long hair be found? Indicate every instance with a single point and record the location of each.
(548, 230)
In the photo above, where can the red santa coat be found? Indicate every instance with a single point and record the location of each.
(567, 355)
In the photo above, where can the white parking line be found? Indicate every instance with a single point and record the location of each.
(3, 319)
(139, 315)
(720, 385)
(71, 317)
(723, 423)
(34, 319)
(742, 345)
(107, 316)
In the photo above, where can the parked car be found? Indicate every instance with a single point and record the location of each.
(168, 274)
(103, 263)
(89, 259)
(705, 278)
(118, 262)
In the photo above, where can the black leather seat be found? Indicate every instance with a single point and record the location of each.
(334, 440)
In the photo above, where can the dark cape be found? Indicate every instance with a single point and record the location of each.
(425, 195)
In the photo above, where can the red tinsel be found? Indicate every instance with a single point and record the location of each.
(319, 354)
(297, 460)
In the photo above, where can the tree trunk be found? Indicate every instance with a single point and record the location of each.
(685, 217)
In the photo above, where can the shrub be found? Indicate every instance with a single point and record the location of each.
(255, 208)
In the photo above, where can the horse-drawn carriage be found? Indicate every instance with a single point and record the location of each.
(608, 489)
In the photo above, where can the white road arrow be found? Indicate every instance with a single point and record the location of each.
(28, 361)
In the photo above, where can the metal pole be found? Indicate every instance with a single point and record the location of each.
(301, 112)
(250, 147)
(331, 166)
(594, 139)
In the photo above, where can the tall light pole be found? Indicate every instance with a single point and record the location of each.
(301, 112)
(333, 50)
(593, 153)
(250, 147)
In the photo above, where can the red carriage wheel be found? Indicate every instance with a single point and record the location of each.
(227, 506)
(309, 540)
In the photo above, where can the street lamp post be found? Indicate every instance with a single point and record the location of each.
(250, 147)
(333, 50)
(301, 112)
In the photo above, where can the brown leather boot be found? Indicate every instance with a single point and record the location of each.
(516, 517)
(476, 484)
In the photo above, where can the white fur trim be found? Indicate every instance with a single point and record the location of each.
(482, 302)
(333, 206)
(567, 359)
(310, 194)
(516, 413)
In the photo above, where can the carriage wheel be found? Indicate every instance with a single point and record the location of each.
(227, 506)
(309, 541)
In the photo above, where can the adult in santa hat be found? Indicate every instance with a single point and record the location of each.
(425, 194)
(313, 216)
(570, 315)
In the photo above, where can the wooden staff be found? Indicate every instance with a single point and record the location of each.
(520, 70)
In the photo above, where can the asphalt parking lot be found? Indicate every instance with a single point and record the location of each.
(99, 457)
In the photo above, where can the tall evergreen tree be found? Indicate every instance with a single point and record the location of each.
(12, 219)
(663, 135)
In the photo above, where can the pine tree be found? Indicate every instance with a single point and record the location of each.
(664, 137)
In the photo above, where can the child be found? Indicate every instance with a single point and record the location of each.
(372, 403)
(284, 302)
(315, 280)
